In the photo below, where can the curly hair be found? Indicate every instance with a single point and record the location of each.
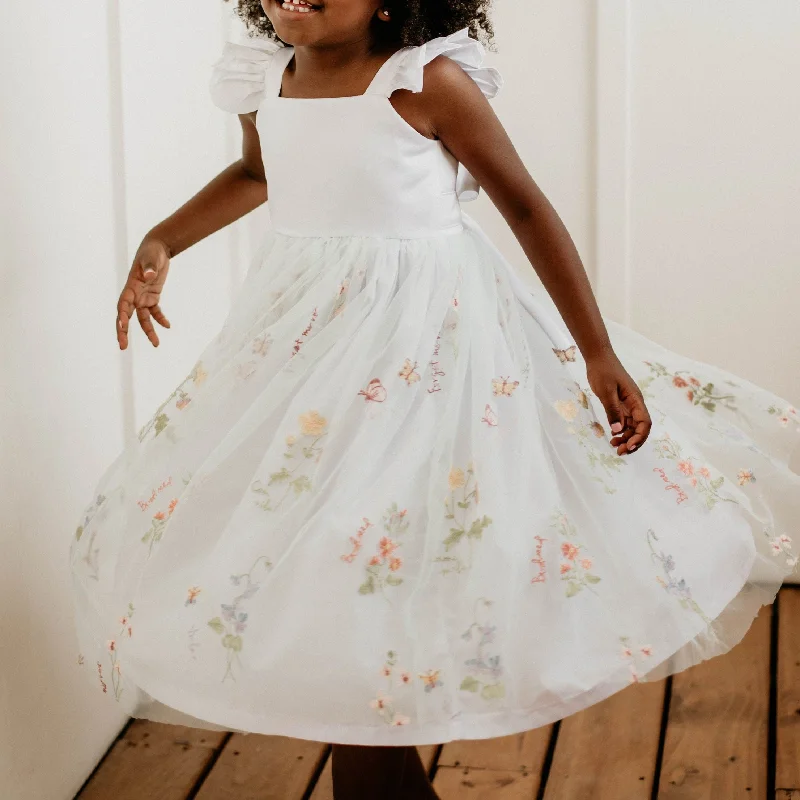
(413, 22)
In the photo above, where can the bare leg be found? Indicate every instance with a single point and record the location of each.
(379, 773)
(415, 784)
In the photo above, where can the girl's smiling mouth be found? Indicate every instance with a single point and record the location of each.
(298, 6)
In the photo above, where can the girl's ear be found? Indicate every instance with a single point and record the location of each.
(384, 15)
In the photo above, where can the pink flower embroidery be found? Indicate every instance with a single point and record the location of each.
(387, 546)
(569, 550)
(380, 702)
(745, 476)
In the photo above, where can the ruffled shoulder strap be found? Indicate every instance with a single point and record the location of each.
(238, 77)
(404, 70)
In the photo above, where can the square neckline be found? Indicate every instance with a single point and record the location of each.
(278, 81)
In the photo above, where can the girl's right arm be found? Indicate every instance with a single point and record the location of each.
(236, 191)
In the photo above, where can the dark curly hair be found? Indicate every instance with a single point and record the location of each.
(413, 22)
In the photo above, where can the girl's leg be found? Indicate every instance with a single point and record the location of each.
(379, 773)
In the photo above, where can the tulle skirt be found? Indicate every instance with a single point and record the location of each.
(382, 508)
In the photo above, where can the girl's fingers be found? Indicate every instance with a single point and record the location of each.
(122, 329)
(149, 271)
(642, 430)
(641, 424)
(143, 315)
(636, 426)
(124, 311)
(158, 316)
(621, 437)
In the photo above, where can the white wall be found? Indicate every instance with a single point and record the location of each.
(700, 180)
(61, 402)
(662, 132)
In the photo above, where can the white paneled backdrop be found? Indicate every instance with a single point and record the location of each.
(665, 133)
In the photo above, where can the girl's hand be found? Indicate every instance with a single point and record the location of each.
(622, 400)
(143, 291)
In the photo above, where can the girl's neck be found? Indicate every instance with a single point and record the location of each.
(335, 69)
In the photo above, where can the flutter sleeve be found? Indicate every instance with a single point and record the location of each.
(238, 77)
(469, 54)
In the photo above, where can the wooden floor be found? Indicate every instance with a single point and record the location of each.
(727, 728)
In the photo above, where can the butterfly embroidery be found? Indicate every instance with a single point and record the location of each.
(408, 372)
(565, 355)
(192, 598)
(489, 417)
(502, 386)
(375, 391)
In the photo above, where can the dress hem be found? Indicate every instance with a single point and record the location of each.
(482, 725)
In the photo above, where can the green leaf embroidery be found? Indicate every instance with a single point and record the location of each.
(470, 684)
(280, 476)
(216, 625)
(162, 420)
(301, 484)
(454, 538)
(492, 691)
(233, 642)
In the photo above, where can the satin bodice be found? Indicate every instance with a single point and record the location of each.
(352, 166)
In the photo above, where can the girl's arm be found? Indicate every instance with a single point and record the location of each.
(236, 191)
(463, 119)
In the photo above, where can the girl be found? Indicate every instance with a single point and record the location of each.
(400, 499)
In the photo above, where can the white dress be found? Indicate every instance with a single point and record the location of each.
(383, 508)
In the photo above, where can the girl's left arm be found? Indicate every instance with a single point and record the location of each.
(463, 119)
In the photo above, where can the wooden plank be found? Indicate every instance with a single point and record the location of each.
(256, 767)
(716, 742)
(467, 783)
(517, 752)
(153, 760)
(499, 768)
(609, 750)
(324, 788)
(787, 763)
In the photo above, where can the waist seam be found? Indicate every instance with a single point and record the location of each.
(452, 229)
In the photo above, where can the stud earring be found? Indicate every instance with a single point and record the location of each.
(385, 12)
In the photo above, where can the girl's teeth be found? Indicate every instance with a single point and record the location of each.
(294, 5)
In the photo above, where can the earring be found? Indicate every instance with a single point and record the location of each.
(385, 11)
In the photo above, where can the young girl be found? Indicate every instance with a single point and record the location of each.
(400, 499)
